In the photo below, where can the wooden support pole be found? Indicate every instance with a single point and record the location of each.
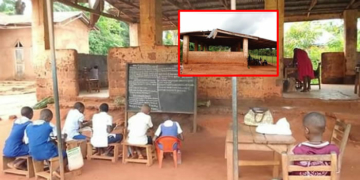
(245, 47)
(239, 47)
(279, 5)
(186, 48)
(196, 45)
(134, 34)
(350, 50)
(201, 46)
(151, 22)
(205, 47)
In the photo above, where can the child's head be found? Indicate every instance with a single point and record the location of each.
(104, 107)
(46, 115)
(165, 117)
(145, 109)
(27, 111)
(314, 124)
(79, 106)
(96, 67)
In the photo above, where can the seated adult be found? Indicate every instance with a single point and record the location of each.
(74, 121)
(102, 124)
(138, 125)
(169, 128)
(14, 144)
(39, 134)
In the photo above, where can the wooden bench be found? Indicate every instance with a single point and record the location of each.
(41, 172)
(150, 156)
(114, 158)
(78, 143)
(29, 173)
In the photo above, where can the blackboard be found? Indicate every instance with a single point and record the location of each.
(159, 86)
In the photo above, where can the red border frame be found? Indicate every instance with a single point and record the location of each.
(230, 75)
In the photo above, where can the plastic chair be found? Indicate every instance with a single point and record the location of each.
(167, 143)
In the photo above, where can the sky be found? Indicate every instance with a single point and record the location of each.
(261, 24)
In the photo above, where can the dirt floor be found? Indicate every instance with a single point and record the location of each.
(203, 152)
(221, 69)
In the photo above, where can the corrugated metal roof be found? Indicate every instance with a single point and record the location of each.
(23, 20)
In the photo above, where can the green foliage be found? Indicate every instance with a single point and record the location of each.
(168, 39)
(7, 7)
(301, 35)
(112, 33)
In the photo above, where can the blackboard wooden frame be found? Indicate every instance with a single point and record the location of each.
(173, 112)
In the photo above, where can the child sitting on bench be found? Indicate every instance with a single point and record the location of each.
(102, 124)
(14, 144)
(138, 126)
(39, 135)
(314, 126)
(74, 121)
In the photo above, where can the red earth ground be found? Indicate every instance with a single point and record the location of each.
(203, 152)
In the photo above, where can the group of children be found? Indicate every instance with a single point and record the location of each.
(37, 138)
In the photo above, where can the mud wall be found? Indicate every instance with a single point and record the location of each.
(332, 68)
(67, 74)
(208, 87)
(203, 57)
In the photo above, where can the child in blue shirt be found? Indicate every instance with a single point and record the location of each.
(14, 144)
(39, 135)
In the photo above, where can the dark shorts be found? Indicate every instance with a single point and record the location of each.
(150, 141)
(79, 137)
(116, 139)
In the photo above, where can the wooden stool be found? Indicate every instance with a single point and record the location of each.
(29, 173)
(150, 157)
(77, 143)
(113, 159)
(41, 172)
(93, 84)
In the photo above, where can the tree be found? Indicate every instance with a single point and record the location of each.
(112, 33)
(7, 7)
(301, 35)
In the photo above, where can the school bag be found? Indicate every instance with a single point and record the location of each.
(75, 158)
(256, 116)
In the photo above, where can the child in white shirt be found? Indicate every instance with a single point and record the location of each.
(102, 126)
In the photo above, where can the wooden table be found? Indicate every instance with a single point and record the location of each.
(357, 81)
(249, 139)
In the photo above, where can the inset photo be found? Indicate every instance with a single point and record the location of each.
(228, 43)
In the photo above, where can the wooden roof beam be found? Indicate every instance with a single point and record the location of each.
(298, 18)
(312, 4)
(176, 4)
(350, 4)
(138, 7)
(189, 4)
(356, 5)
(69, 3)
(225, 4)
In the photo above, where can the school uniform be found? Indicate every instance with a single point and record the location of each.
(306, 148)
(138, 126)
(40, 146)
(71, 126)
(14, 145)
(100, 136)
(168, 128)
